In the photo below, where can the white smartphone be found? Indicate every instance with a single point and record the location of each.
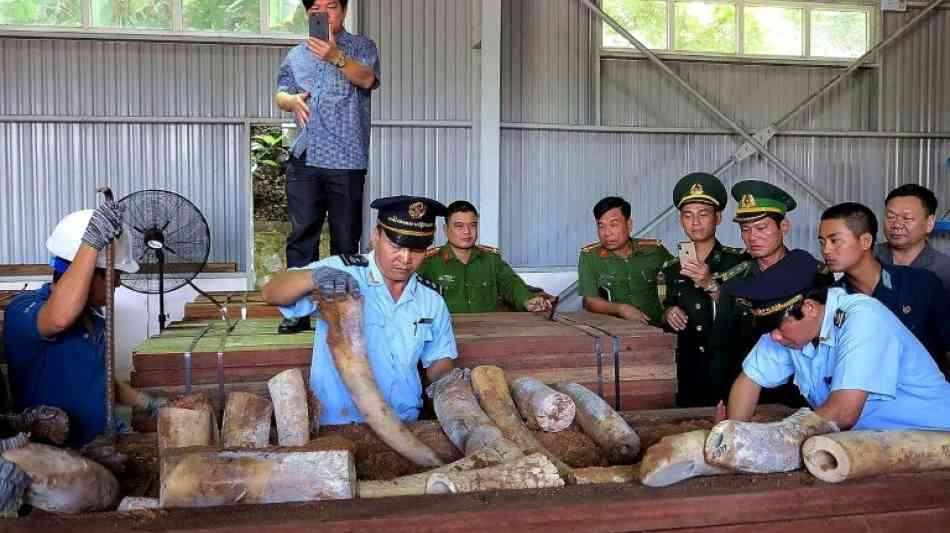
(687, 251)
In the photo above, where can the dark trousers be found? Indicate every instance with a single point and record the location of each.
(313, 193)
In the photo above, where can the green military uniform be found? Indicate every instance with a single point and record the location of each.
(735, 329)
(475, 287)
(630, 280)
(695, 384)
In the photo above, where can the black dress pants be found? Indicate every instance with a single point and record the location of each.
(313, 194)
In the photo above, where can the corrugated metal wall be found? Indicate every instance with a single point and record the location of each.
(551, 179)
(211, 92)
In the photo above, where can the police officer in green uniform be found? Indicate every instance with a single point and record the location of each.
(683, 288)
(473, 278)
(617, 274)
(763, 227)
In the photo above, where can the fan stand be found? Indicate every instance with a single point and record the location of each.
(155, 239)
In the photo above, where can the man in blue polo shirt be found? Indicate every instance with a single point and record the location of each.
(54, 337)
(327, 85)
(916, 296)
(405, 320)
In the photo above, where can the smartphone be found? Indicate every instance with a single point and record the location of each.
(687, 251)
(320, 25)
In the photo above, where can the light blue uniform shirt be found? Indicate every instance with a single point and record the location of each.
(871, 351)
(398, 335)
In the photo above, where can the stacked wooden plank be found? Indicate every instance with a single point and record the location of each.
(523, 344)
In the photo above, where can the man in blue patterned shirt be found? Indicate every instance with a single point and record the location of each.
(327, 86)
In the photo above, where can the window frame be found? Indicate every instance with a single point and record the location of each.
(176, 33)
(869, 7)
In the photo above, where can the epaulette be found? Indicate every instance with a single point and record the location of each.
(425, 282)
(733, 250)
(823, 269)
(433, 250)
(648, 243)
(839, 318)
(489, 249)
(591, 247)
(354, 260)
(741, 268)
(669, 262)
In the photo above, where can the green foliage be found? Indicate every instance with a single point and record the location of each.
(838, 33)
(41, 12)
(267, 149)
(222, 15)
(773, 31)
(268, 156)
(145, 14)
(706, 27)
(287, 16)
(646, 20)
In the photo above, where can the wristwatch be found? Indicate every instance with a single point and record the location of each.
(340, 61)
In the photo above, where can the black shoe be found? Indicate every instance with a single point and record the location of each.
(294, 325)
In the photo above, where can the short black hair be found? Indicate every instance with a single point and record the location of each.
(925, 195)
(858, 217)
(460, 206)
(611, 202)
(307, 4)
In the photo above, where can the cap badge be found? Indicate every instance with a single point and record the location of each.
(417, 210)
(906, 309)
(696, 189)
(747, 201)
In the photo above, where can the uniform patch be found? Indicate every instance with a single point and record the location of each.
(357, 260)
(446, 278)
(428, 283)
(839, 318)
(741, 268)
(591, 247)
(733, 250)
(489, 249)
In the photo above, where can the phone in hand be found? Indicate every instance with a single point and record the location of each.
(320, 25)
(687, 252)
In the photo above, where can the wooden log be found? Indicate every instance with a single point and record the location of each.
(542, 407)
(859, 454)
(493, 395)
(209, 478)
(597, 475)
(608, 429)
(246, 421)
(181, 428)
(343, 315)
(289, 396)
(675, 458)
(534, 471)
(64, 481)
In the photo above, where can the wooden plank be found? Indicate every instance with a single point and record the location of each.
(40, 269)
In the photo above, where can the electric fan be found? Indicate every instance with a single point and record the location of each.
(170, 241)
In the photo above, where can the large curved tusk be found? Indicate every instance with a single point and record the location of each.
(344, 317)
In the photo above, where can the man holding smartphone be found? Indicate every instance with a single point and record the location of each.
(326, 84)
(685, 282)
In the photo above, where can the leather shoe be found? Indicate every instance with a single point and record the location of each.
(294, 325)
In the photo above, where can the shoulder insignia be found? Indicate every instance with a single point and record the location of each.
(734, 271)
(489, 249)
(669, 263)
(839, 318)
(433, 250)
(648, 243)
(357, 260)
(823, 269)
(591, 247)
(426, 282)
(733, 250)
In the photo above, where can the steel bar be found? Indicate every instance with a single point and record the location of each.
(709, 105)
(110, 330)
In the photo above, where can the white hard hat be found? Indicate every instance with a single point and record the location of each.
(65, 240)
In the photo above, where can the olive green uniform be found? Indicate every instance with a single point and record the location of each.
(475, 287)
(693, 352)
(630, 280)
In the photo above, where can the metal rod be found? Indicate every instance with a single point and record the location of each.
(161, 290)
(822, 201)
(186, 361)
(110, 329)
(722, 131)
(616, 350)
(599, 353)
(856, 63)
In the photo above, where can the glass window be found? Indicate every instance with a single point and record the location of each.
(221, 15)
(837, 33)
(41, 12)
(773, 31)
(646, 19)
(132, 14)
(287, 16)
(705, 27)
